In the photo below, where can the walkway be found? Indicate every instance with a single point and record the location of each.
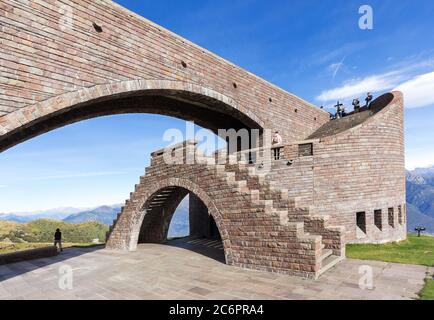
(176, 272)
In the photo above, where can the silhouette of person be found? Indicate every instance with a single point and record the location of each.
(368, 100)
(58, 239)
(340, 110)
(356, 105)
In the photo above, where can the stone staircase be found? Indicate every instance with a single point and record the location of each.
(246, 179)
(243, 181)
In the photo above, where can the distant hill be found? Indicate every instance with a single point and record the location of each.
(104, 214)
(54, 214)
(179, 226)
(420, 199)
(16, 218)
(82, 227)
(42, 231)
(417, 219)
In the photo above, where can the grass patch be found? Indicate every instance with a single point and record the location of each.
(428, 291)
(42, 231)
(6, 247)
(414, 250)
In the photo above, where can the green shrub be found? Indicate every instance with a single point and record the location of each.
(42, 231)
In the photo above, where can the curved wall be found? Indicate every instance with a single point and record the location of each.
(358, 170)
(363, 170)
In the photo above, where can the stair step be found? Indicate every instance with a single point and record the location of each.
(326, 253)
(329, 263)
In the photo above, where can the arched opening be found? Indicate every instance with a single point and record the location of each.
(68, 170)
(205, 107)
(203, 234)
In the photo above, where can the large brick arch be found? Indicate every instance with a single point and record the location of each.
(54, 60)
(207, 107)
(136, 220)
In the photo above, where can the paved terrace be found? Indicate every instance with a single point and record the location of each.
(182, 271)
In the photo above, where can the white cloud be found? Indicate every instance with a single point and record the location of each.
(2, 186)
(418, 158)
(356, 87)
(418, 87)
(419, 91)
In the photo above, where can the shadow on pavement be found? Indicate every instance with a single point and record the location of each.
(212, 249)
(9, 271)
(207, 247)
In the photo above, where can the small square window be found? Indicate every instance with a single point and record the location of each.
(305, 150)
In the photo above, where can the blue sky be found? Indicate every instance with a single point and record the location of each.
(314, 49)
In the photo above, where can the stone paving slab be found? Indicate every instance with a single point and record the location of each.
(174, 273)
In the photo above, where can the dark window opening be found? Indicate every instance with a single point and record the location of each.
(391, 217)
(235, 85)
(97, 27)
(305, 150)
(378, 219)
(405, 214)
(400, 215)
(361, 221)
(184, 64)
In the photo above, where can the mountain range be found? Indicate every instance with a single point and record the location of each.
(420, 199)
(179, 226)
(103, 214)
(55, 214)
(420, 208)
